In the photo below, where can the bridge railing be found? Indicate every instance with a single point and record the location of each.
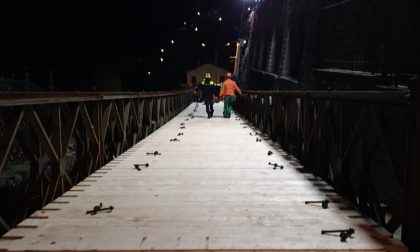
(359, 142)
(51, 141)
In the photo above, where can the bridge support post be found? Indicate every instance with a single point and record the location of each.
(411, 224)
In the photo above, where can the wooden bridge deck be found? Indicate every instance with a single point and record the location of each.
(212, 190)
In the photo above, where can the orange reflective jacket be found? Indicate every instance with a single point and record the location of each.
(229, 87)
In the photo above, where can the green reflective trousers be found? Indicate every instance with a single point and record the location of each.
(227, 110)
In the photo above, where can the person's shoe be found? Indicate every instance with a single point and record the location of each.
(211, 114)
(208, 115)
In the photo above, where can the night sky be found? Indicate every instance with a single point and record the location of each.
(76, 38)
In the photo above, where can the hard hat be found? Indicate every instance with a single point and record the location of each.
(208, 76)
(229, 75)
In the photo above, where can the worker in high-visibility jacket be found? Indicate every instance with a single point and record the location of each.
(227, 92)
(208, 89)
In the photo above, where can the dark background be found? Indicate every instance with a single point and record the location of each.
(69, 41)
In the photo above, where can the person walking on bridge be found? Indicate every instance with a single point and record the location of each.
(208, 89)
(227, 92)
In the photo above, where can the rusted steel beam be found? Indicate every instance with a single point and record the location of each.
(56, 136)
(8, 99)
(8, 137)
(107, 111)
(4, 224)
(88, 123)
(41, 134)
(97, 127)
(126, 115)
(355, 140)
(383, 97)
(72, 117)
(140, 107)
(97, 123)
(411, 218)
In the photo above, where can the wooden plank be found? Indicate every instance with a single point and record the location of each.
(214, 190)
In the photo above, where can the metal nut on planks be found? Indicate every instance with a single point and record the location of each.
(344, 233)
(137, 166)
(275, 166)
(156, 153)
(324, 203)
(99, 208)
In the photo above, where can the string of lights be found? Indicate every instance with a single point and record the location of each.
(192, 33)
